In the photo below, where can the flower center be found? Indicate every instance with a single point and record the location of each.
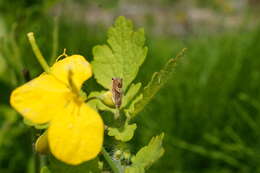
(79, 97)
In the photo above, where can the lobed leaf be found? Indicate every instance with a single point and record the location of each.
(147, 155)
(157, 82)
(125, 135)
(123, 55)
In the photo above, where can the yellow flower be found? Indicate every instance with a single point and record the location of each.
(75, 132)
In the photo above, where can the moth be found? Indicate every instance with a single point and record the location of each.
(117, 93)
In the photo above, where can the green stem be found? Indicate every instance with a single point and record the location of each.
(92, 98)
(55, 39)
(110, 161)
(117, 113)
(37, 163)
(37, 52)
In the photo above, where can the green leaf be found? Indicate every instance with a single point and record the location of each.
(123, 55)
(157, 82)
(125, 135)
(134, 169)
(57, 166)
(147, 155)
(45, 169)
(131, 93)
(131, 109)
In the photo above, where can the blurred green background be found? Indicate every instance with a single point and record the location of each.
(209, 110)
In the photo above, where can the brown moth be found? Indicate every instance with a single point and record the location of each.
(117, 93)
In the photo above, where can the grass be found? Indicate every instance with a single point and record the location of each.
(210, 109)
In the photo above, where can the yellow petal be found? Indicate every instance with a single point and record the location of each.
(76, 134)
(76, 66)
(40, 99)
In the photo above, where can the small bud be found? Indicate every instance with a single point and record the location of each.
(107, 99)
(41, 144)
(117, 154)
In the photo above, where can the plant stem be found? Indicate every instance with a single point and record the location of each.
(110, 161)
(37, 163)
(38, 53)
(55, 39)
(91, 98)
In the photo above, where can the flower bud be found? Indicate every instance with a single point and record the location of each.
(107, 99)
(117, 154)
(41, 144)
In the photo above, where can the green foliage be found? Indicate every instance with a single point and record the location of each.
(134, 169)
(204, 98)
(3, 65)
(9, 115)
(96, 102)
(209, 110)
(123, 55)
(131, 93)
(125, 134)
(57, 166)
(157, 82)
(123, 59)
(45, 169)
(127, 98)
(147, 155)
